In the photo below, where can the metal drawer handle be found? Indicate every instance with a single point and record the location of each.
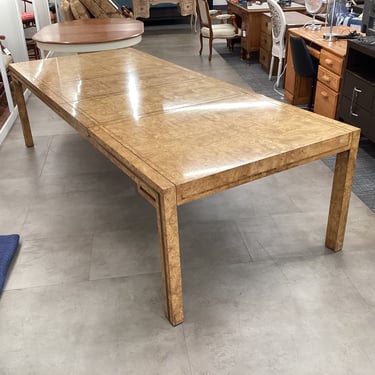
(326, 78)
(355, 94)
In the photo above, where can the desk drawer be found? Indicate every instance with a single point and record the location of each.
(331, 62)
(265, 61)
(325, 101)
(266, 25)
(330, 79)
(266, 41)
(186, 7)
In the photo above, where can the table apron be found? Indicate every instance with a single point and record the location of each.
(225, 180)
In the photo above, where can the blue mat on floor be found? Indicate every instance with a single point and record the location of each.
(8, 247)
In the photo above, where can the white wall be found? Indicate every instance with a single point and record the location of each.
(11, 27)
(41, 11)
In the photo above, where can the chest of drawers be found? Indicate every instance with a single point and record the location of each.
(331, 57)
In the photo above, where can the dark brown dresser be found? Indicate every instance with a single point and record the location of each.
(357, 94)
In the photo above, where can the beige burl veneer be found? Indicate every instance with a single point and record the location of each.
(181, 136)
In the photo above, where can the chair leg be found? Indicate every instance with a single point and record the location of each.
(312, 92)
(230, 44)
(280, 66)
(201, 39)
(271, 68)
(210, 56)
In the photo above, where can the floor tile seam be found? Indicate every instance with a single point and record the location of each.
(50, 140)
(77, 282)
(187, 351)
(100, 173)
(281, 261)
(69, 282)
(124, 277)
(352, 283)
(29, 208)
(229, 265)
(238, 230)
(46, 238)
(251, 259)
(290, 282)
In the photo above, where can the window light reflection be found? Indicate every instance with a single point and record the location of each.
(133, 95)
(76, 97)
(217, 106)
(208, 171)
(78, 90)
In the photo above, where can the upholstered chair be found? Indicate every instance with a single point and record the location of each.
(211, 31)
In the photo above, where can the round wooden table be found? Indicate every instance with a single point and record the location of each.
(89, 35)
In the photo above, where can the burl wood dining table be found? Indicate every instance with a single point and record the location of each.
(181, 136)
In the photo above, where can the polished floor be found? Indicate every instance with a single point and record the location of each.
(262, 294)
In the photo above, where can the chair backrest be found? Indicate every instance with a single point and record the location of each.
(204, 14)
(5, 54)
(303, 63)
(278, 22)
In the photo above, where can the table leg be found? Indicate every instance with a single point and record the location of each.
(166, 209)
(340, 196)
(22, 111)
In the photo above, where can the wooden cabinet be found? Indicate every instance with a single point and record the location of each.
(357, 95)
(249, 18)
(328, 83)
(265, 51)
(331, 57)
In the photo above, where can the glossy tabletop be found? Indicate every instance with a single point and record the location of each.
(182, 136)
(316, 37)
(88, 35)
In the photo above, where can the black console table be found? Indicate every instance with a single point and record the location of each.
(357, 95)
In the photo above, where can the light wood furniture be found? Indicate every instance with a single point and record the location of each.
(249, 20)
(88, 35)
(293, 19)
(331, 57)
(141, 8)
(182, 136)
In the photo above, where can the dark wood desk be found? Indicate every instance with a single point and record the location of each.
(181, 136)
(141, 8)
(249, 19)
(331, 57)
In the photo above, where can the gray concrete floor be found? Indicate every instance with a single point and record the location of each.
(262, 294)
